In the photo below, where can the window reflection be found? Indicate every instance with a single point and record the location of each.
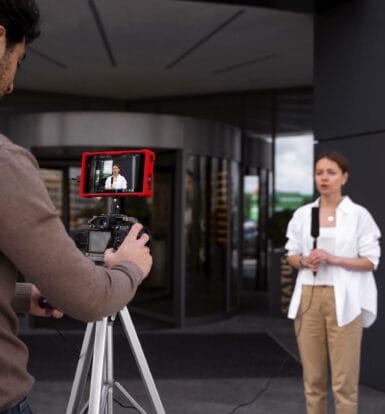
(155, 293)
(234, 275)
(250, 230)
(82, 209)
(293, 171)
(210, 218)
(250, 215)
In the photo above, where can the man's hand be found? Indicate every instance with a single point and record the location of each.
(37, 310)
(133, 250)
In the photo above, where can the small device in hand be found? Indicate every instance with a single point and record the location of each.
(44, 304)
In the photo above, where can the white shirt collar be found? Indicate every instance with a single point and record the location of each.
(346, 205)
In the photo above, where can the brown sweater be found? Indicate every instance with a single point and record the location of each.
(33, 241)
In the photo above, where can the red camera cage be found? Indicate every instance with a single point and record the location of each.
(148, 173)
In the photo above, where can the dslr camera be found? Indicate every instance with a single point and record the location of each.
(113, 174)
(107, 231)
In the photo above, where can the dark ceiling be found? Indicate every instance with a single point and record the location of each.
(140, 49)
(299, 6)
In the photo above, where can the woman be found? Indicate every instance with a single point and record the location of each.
(335, 293)
(116, 181)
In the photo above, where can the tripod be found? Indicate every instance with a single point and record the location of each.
(102, 377)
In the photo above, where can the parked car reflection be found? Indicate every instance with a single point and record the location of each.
(250, 234)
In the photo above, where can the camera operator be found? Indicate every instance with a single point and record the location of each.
(34, 242)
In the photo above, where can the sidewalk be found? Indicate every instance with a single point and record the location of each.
(212, 395)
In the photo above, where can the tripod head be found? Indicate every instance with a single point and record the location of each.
(114, 205)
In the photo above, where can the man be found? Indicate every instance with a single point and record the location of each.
(34, 243)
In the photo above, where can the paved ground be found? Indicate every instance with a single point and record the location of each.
(215, 395)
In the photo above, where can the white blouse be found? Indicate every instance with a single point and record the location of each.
(356, 235)
(119, 184)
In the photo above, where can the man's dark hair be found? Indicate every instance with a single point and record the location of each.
(21, 19)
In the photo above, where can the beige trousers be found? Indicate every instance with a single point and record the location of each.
(321, 341)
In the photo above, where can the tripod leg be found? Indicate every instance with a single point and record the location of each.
(141, 361)
(98, 367)
(103, 403)
(130, 398)
(110, 365)
(82, 370)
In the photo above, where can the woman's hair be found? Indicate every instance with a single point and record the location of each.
(335, 156)
(21, 20)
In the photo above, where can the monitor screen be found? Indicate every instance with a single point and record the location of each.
(120, 173)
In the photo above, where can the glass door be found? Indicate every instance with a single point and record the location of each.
(254, 239)
(250, 231)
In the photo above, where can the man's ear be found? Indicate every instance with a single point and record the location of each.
(3, 40)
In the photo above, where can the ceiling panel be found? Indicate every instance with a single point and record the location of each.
(215, 48)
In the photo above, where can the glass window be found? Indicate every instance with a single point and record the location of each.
(250, 214)
(208, 226)
(234, 223)
(155, 294)
(82, 209)
(294, 155)
(250, 229)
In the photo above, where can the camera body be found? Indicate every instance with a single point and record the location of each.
(107, 231)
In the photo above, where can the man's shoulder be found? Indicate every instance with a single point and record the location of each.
(13, 155)
(9, 148)
(5, 142)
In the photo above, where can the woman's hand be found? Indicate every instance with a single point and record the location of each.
(37, 310)
(308, 263)
(318, 256)
(360, 264)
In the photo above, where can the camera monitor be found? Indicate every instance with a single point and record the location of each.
(117, 173)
